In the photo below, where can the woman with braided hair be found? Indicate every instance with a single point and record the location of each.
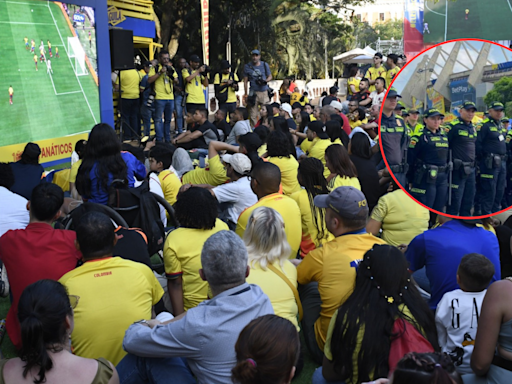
(426, 368)
(358, 343)
(314, 231)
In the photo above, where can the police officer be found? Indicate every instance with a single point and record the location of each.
(427, 157)
(411, 117)
(491, 151)
(462, 140)
(394, 138)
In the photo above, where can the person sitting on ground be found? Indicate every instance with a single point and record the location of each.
(426, 368)
(333, 91)
(241, 127)
(80, 151)
(204, 337)
(13, 210)
(38, 251)
(265, 183)
(357, 347)
(214, 174)
(268, 250)
(285, 92)
(200, 135)
(287, 113)
(279, 124)
(28, 173)
(360, 152)
(319, 143)
(327, 112)
(196, 211)
(357, 117)
(221, 123)
(457, 335)
(262, 360)
(377, 96)
(45, 312)
(342, 171)
(441, 249)
(262, 131)
(104, 162)
(399, 217)
(278, 153)
(345, 217)
(313, 183)
(334, 131)
(160, 160)
(266, 114)
(132, 289)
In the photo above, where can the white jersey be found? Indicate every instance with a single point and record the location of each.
(457, 321)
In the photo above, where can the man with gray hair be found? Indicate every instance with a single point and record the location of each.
(204, 337)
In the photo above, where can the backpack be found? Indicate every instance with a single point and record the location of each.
(222, 97)
(140, 209)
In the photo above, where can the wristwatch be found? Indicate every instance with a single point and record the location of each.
(143, 321)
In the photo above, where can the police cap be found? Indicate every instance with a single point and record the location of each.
(433, 112)
(468, 105)
(393, 93)
(497, 106)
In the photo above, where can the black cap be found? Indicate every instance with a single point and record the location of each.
(497, 106)
(398, 106)
(378, 54)
(468, 105)
(319, 128)
(195, 59)
(224, 64)
(405, 112)
(31, 151)
(393, 93)
(296, 105)
(505, 120)
(433, 112)
(413, 110)
(148, 64)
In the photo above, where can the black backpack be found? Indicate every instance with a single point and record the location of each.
(222, 97)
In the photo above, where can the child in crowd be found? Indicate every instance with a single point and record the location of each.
(458, 311)
(160, 160)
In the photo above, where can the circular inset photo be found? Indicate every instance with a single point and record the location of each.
(444, 132)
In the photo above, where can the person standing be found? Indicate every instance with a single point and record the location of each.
(393, 68)
(226, 84)
(378, 94)
(411, 122)
(128, 83)
(35, 61)
(257, 74)
(376, 71)
(427, 157)
(147, 110)
(163, 76)
(11, 93)
(195, 79)
(179, 96)
(491, 150)
(462, 140)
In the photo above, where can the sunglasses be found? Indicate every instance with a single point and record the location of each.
(73, 300)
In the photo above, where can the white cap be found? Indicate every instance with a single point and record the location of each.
(287, 108)
(336, 105)
(240, 163)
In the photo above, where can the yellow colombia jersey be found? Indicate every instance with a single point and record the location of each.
(373, 73)
(310, 239)
(130, 80)
(35, 58)
(355, 82)
(289, 169)
(317, 150)
(182, 257)
(390, 75)
(11, 91)
(33, 43)
(74, 171)
(49, 45)
(26, 40)
(343, 181)
(194, 87)
(289, 211)
(295, 97)
(230, 91)
(114, 293)
(163, 85)
(214, 174)
(278, 291)
(170, 184)
(334, 267)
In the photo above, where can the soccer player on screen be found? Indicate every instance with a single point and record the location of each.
(26, 42)
(425, 28)
(49, 67)
(35, 61)
(90, 40)
(11, 92)
(50, 48)
(41, 51)
(57, 52)
(467, 13)
(33, 44)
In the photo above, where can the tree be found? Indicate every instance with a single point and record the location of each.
(389, 29)
(502, 92)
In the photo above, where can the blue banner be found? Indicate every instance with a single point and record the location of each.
(460, 92)
(78, 17)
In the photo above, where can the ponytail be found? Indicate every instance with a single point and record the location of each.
(34, 351)
(425, 368)
(246, 372)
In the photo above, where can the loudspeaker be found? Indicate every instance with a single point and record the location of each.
(121, 49)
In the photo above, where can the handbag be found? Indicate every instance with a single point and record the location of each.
(292, 287)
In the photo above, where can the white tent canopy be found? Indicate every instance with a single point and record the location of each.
(358, 55)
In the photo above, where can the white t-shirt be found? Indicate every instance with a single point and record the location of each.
(238, 195)
(457, 321)
(241, 128)
(13, 211)
(156, 187)
(377, 98)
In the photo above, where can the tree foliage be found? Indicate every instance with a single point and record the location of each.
(502, 92)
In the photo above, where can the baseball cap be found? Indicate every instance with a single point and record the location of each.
(497, 106)
(393, 93)
(413, 110)
(287, 108)
(336, 105)
(468, 105)
(505, 120)
(378, 54)
(148, 64)
(405, 112)
(240, 163)
(255, 52)
(296, 105)
(224, 64)
(195, 59)
(348, 202)
(399, 106)
(433, 112)
(319, 128)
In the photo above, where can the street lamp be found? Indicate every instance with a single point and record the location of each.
(426, 71)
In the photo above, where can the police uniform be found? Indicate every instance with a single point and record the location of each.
(491, 150)
(395, 141)
(427, 157)
(415, 130)
(507, 197)
(462, 140)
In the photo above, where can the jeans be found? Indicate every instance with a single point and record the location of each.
(147, 114)
(463, 193)
(129, 116)
(318, 378)
(181, 111)
(136, 370)
(165, 107)
(202, 155)
(311, 302)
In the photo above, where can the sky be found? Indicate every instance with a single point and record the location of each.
(496, 56)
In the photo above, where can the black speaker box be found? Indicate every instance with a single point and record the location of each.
(121, 49)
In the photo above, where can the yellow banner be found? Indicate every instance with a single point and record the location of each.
(52, 150)
(205, 31)
(436, 98)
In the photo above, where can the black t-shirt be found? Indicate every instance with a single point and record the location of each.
(131, 245)
(224, 126)
(328, 99)
(26, 178)
(361, 96)
(291, 123)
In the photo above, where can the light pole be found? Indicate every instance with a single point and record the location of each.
(427, 72)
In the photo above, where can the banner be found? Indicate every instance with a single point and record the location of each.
(205, 31)
(413, 28)
(461, 91)
(435, 99)
(53, 151)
